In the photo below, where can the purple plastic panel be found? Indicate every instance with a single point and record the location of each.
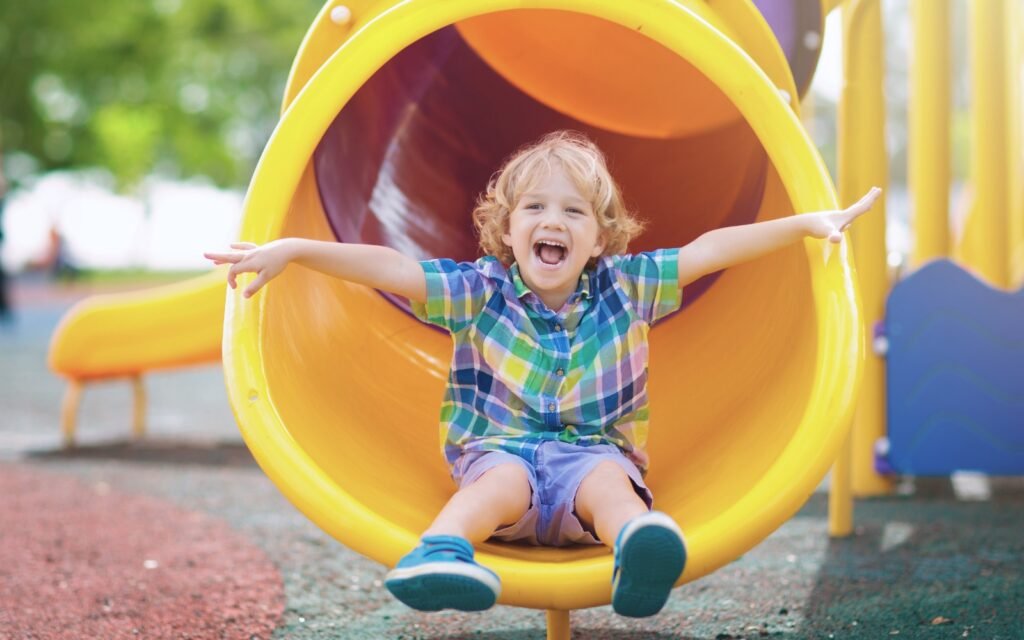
(791, 21)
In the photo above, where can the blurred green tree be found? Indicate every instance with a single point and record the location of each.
(183, 87)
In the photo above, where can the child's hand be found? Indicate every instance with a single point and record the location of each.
(832, 224)
(266, 262)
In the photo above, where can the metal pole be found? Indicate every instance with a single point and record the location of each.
(863, 163)
(1015, 32)
(929, 149)
(558, 624)
(984, 245)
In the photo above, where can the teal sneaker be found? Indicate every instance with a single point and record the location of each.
(649, 557)
(441, 574)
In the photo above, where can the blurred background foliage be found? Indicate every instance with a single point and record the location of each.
(184, 88)
(176, 87)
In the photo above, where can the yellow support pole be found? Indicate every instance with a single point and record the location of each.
(840, 492)
(1015, 85)
(69, 411)
(558, 624)
(139, 407)
(985, 245)
(863, 163)
(929, 148)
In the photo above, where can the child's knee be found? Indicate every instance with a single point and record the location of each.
(508, 479)
(607, 474)
(507, 487)
(606, 484)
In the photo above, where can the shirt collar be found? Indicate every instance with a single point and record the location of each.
(521, 288)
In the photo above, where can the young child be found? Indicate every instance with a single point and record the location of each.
(546, 411)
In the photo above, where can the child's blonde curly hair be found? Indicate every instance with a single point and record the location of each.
(583, 163)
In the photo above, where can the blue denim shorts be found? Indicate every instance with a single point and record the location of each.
(555, 477)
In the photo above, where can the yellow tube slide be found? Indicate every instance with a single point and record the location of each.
(396, 120)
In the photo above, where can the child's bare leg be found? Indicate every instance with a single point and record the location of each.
(441, 573)
(649, 550)
(500, 496)
(606, 500)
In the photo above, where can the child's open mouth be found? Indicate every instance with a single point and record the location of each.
(550, 252)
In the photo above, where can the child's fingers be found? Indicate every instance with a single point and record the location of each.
(236, 269)
(254, 286)
(856, 210)
(242, 245)
(867, 200)
(221, 258)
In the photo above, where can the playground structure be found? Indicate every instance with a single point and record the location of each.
(939, 392)
(695, 104)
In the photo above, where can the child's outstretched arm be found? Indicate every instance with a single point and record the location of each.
(721, 248)
(372, 265)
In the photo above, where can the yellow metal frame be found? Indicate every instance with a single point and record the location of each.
(985, 244)
(863, 163)
(1015, 130)
(929, 147)
(992, 242)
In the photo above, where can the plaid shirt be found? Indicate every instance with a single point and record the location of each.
(522, 374)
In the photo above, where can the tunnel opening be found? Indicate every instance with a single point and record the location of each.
(405, 160)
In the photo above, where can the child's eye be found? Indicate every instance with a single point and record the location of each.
(572, 210)
(535, 205)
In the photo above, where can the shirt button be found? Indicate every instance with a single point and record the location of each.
(560, 372)
(558, 327)
(551, 406)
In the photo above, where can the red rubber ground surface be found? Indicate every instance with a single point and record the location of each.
(95, 562)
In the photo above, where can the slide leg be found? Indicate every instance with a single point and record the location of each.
(69, 412)
(840, 493)
(558, 624)
(139, 417)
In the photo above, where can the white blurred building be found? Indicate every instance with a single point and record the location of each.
(166, 226)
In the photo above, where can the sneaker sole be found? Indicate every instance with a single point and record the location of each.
(651, 559)
(444, 585)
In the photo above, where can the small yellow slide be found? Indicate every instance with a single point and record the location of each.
(123, 335)
(396, 115)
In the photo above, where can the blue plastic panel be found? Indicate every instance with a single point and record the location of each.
(955, 374)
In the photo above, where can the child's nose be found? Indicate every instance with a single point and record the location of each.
(553, 218)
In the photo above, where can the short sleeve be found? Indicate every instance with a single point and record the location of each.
(456, 293)
(651, 280)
